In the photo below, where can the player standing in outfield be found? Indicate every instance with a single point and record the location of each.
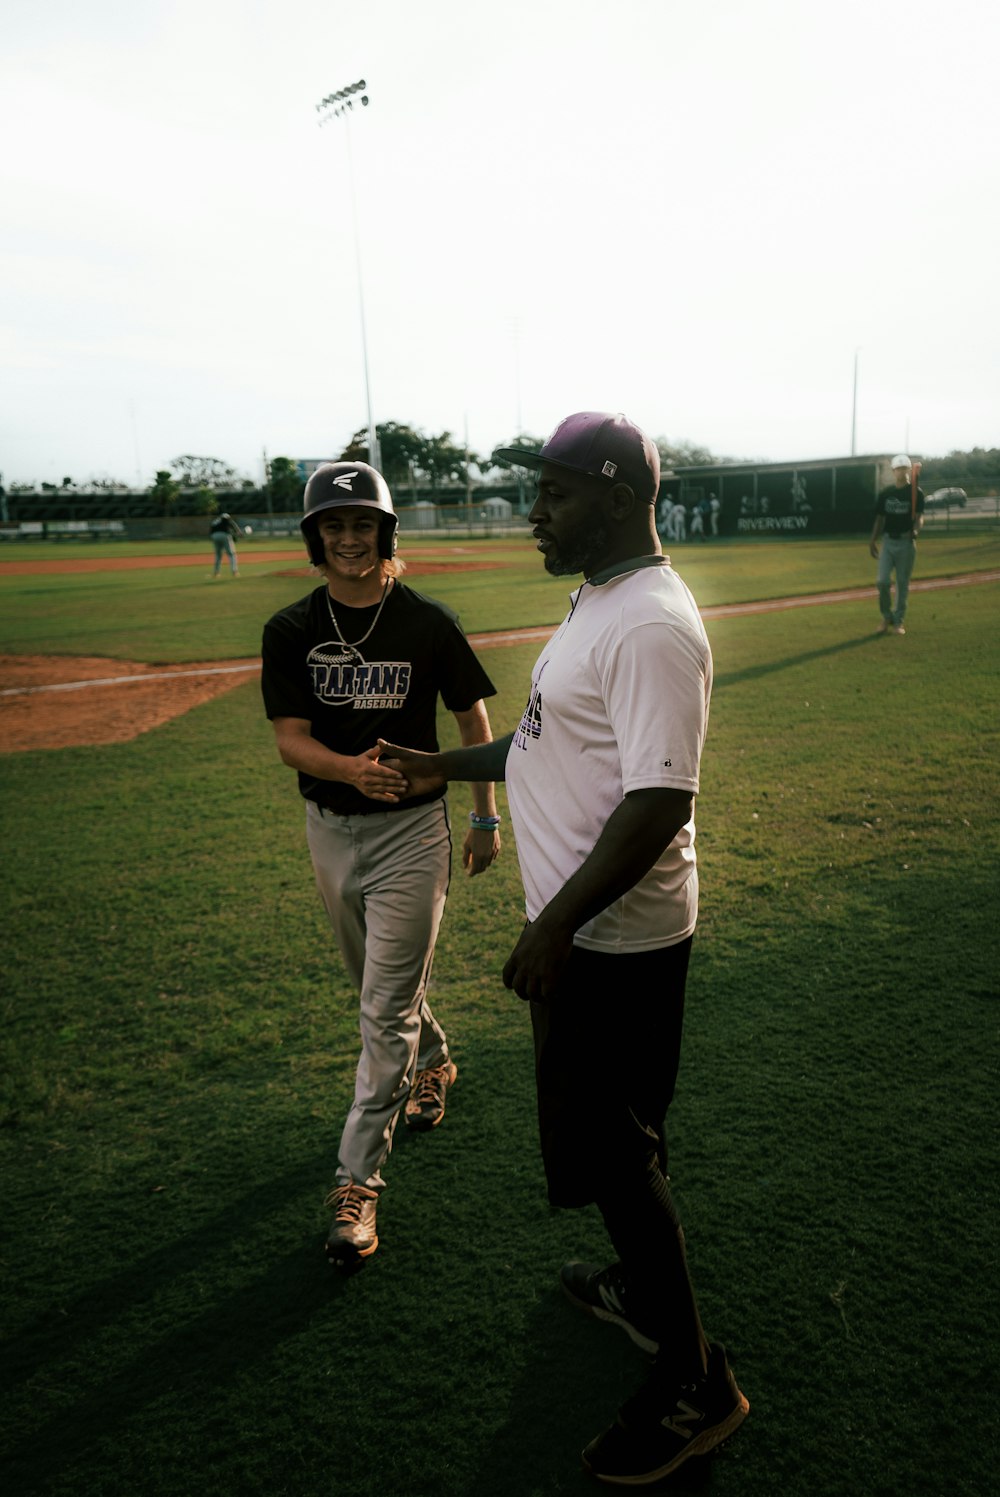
(601, 779)
(899, 515)
(361, 656)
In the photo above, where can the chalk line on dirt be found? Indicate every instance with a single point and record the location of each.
(499, 638)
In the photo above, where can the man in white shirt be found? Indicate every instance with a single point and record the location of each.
(601, 778)
(678, 517)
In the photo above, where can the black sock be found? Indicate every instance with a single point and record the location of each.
(643, 1225)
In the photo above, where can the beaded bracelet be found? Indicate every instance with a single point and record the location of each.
(484, 823)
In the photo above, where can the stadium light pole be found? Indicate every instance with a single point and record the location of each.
(854, 402)
(515, 328)
(335, 106)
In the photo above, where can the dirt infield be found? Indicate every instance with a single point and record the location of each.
(55, 701)
(58, 701)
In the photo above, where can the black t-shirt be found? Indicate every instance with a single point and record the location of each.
(388, 689)
(894, 506)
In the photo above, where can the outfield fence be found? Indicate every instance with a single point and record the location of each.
(974, 517)
(487, 519)
(453, 521)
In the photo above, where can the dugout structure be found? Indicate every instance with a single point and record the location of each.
(823, 496)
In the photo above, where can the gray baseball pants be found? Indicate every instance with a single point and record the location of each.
(383, 879)
(895, 556)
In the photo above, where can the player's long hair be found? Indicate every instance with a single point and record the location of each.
(393, 566)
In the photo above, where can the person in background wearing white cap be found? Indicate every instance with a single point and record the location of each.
(899, 514)
(602, 775)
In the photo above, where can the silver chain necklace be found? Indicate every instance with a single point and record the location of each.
(353, 649)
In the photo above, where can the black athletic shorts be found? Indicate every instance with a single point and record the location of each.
(607, 1048)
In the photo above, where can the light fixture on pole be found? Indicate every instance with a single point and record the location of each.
(339, 105)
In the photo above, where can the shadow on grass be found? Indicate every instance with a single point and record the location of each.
(577, 1375)
(768, 668)
(59, 1331)
(207, 1351)
(204, 1353)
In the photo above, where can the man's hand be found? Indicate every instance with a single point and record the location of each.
(537, 962)
(376, 781)
(419, 772)
(873, 550)
(479, 850)
(633, 838)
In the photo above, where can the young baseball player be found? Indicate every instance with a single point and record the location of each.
(601, 779)
(359, 657)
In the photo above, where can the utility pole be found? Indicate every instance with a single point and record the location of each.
(339, 105)
(854, 404)
(515, 323)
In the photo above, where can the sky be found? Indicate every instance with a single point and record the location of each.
(710, 216)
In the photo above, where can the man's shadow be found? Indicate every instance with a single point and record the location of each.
(769, 667)
(577, 1373)
(207, 1351)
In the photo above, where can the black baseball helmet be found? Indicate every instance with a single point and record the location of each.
(336, 484)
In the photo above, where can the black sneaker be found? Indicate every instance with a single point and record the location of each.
(352, 1233)
(601, 1292)
(660, 1427)
(426, 1102)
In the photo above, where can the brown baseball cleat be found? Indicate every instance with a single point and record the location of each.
(426, 1102)
(352, 1235)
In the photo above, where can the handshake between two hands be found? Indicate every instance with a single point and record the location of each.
(400, 773)
(539, 958)
(534, 966)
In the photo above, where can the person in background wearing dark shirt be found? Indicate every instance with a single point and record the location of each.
(224, 531)
(899, 514)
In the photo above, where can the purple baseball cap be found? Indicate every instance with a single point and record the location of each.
(600, 445)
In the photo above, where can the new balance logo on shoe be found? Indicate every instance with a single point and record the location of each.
(646, 1444)
(681, 1421)
(600, 1292)
(611, 1298)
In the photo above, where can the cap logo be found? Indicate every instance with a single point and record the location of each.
(609, 470)
(344, 481)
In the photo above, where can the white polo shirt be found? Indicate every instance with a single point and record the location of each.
(619, 701)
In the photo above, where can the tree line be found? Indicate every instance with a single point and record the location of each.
(410, 457)
(977, 469)
(407, 457)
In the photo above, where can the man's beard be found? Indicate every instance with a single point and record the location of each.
(582, 554)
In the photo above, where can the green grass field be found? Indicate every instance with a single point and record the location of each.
(180, 1042)
(176, 614)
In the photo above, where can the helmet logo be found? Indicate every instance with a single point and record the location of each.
(344, 481)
